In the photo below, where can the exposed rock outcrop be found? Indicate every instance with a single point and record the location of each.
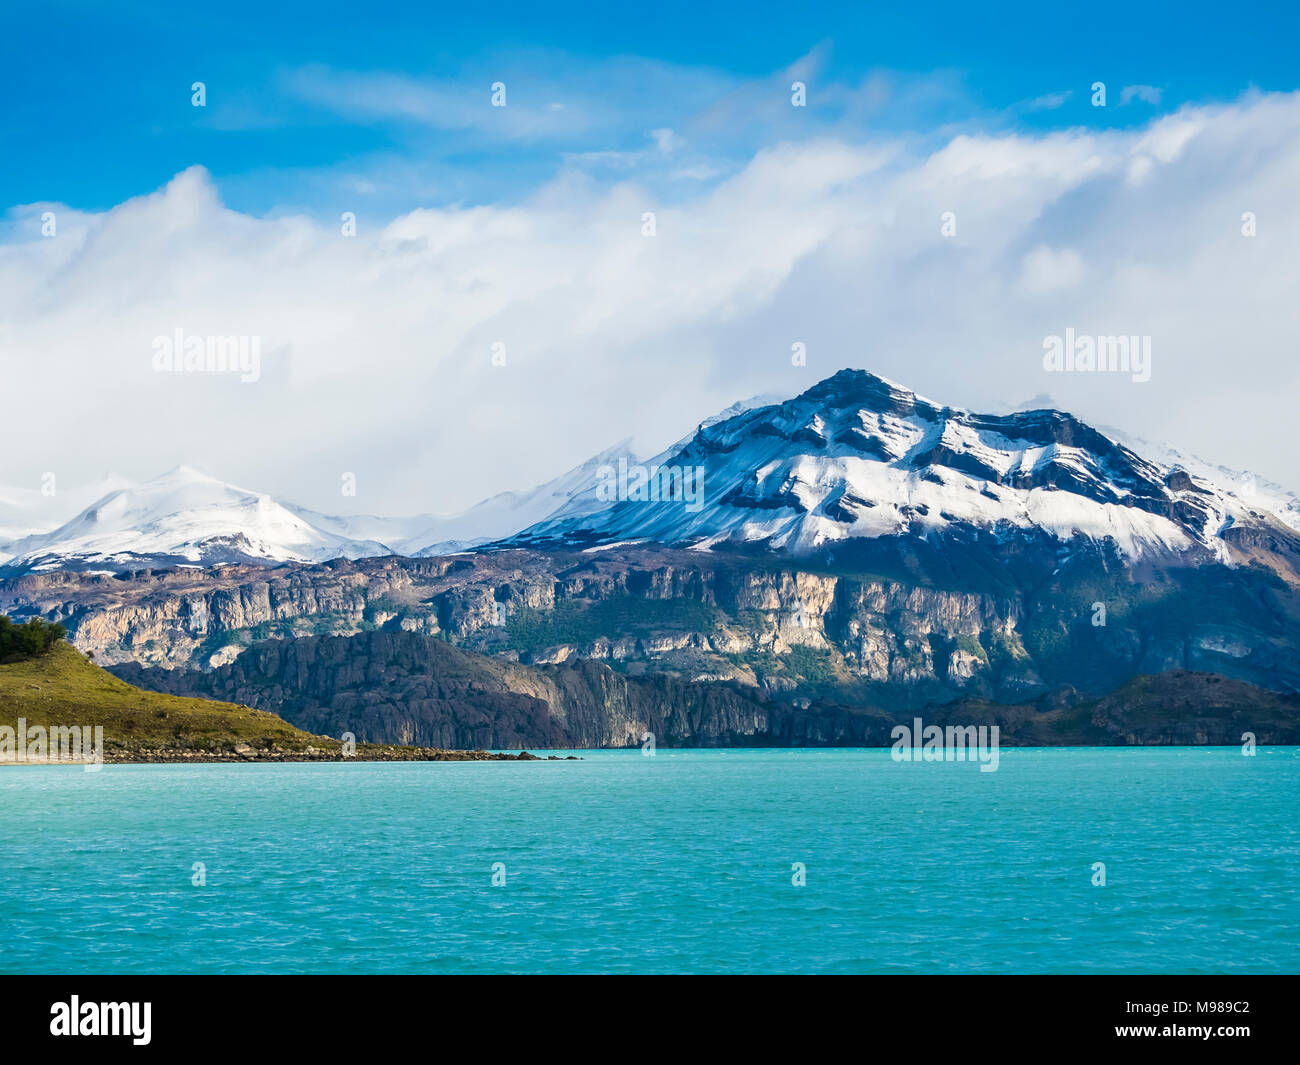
(904, 626)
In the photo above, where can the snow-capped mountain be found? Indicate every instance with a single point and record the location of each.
(859, 457)
(855, 458)
(182, 518)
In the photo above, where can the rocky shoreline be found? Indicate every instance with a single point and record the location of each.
(364, 753)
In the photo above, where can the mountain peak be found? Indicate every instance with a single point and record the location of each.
(858, 457)
(862, 388)
(183, 470)
(184, 474)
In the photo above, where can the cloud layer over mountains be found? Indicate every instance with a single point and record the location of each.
(377, 349)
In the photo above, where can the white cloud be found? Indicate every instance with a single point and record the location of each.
(666, 140)
(377, 348)
(1049, 101)
(1148, 94)
(1047, 269)
(446, 104)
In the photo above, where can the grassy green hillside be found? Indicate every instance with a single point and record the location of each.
(64, 688)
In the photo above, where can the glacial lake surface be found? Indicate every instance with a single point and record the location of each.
(818, 861)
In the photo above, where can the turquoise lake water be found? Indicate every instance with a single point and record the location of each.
(677, 862)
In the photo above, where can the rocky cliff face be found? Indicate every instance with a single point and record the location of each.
(902, 626)
(395, 687)
(418, 689)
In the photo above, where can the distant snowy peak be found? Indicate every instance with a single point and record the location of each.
(507, 513)
(391, 533)
(858, 456)
(182, 518)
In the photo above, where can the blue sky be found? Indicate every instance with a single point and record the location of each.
(97, 97)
